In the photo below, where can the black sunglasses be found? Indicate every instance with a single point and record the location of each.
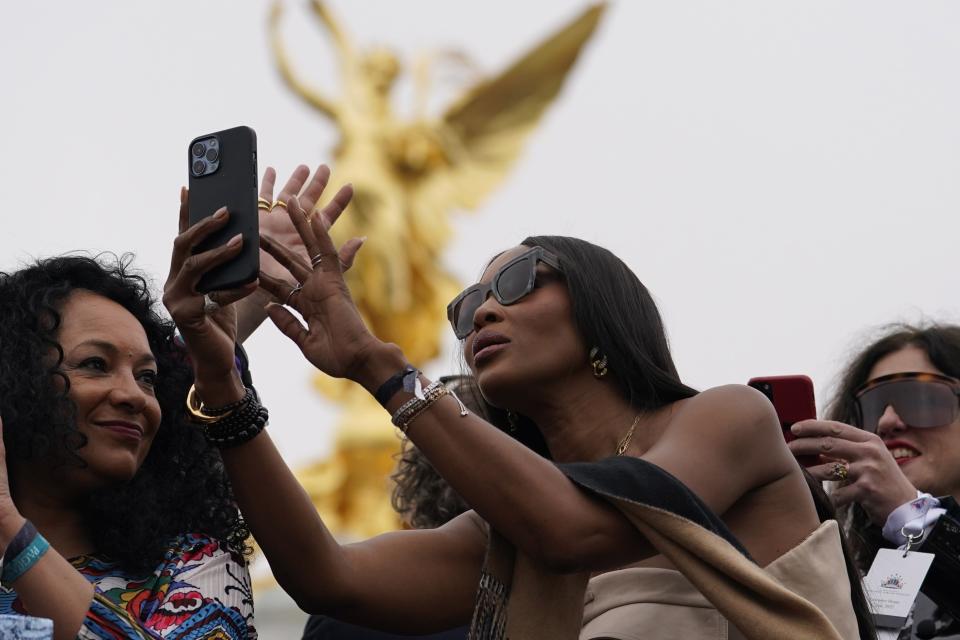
(509, 284)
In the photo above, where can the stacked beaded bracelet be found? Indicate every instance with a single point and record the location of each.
(233, 424)
(26, 548)
(412, 408)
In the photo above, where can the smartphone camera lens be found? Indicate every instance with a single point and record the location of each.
(198, 149)
(199, 167)
(212, 155)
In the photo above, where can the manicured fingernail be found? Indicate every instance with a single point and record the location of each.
(220, 214)
(235, 240)
(795, 428)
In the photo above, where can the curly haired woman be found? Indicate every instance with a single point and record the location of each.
(97, 459)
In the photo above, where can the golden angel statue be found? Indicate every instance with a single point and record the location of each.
(408, 176)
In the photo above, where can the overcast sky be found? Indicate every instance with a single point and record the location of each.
(783, 176)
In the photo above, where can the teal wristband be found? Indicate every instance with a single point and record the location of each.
(25, 560)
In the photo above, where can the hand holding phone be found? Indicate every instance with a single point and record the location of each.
(223, 173)
(792, 398)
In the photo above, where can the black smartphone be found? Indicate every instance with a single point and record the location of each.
(223, 173)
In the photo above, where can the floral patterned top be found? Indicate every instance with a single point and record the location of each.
(201, 591)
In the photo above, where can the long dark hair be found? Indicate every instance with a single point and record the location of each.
(941, 342)
(614, 312)
(182, 486)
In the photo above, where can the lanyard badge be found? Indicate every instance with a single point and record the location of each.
(893, 583)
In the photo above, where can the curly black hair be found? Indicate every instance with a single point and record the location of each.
(182, 485)
(422, 497)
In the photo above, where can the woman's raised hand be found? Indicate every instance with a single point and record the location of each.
(209, 331)
(275, 223)
(335, 339)
(872, 477)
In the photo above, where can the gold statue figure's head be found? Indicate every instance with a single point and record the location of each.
(381, 67)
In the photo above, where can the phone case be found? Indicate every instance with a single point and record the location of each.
(793, 400)
(234, 185)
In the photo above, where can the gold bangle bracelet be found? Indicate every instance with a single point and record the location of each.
(195, 408)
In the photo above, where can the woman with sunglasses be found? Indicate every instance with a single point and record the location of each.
(892, 441)
(686, 509)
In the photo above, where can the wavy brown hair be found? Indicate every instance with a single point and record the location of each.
(941, 343)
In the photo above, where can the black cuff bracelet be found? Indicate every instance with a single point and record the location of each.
(395, 383)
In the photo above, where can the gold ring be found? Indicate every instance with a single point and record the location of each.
(278, 203)
(840, 471)
(263, 203)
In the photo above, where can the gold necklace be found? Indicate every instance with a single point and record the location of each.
(625, 441)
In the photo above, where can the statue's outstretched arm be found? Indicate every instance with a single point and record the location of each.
(313, 96)
(340, 41)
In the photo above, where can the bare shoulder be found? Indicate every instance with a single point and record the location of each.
(734, 406)
(729, 432)
(733, 421)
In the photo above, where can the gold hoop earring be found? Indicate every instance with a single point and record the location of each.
(599, 363)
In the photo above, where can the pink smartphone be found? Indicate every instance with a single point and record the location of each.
(792, 398)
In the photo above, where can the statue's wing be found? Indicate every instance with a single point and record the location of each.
(484, 131)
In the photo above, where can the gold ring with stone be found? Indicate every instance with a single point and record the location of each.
(840, 471)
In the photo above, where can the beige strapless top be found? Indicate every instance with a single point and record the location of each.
(661, 604)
